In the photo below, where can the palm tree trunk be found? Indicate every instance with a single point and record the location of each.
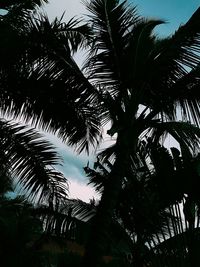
(138, 260)
(95, 248)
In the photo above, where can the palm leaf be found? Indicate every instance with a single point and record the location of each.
(181, 49)
(111, 23)
(98, 176)
(175, 63)
(31, 161)
(186, 134)
(186, 93)
(27, 4)
(44, 77)
(68, 218)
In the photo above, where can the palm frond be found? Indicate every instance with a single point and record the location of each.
(175, 61)
(181, 49)
(31, 161)
(46, 78)
(186, 134)
(98, 176)
(25, 4)
(111, 22)
(186, 93)
(69, 36)
(139, 50)
(69, 218)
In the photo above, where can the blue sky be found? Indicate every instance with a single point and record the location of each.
(174, 12)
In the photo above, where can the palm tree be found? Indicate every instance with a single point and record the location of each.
(25, 155)
(143, 84)
(130, 67)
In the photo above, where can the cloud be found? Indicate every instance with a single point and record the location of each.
(73, 170)
(80, 191)
(72, 167)
(70, 7)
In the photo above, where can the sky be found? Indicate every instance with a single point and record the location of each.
(174, 12)
(72, 167)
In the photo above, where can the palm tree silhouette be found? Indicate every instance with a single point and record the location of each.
(142, 84)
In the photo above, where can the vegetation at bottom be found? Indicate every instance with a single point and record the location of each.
(146, 90)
